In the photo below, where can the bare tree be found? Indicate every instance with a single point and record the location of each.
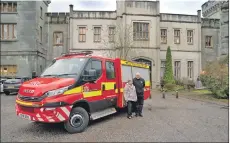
(120, 42)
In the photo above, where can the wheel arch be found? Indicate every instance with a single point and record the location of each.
(82, 103)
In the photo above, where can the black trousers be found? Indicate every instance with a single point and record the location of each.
(131, 107)
(139, 104)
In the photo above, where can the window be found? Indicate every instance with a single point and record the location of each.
(40, 34)
(129, 4)
(8, 7)
(8, 31)
(8, 70)
(110, 70)
(58, 38)
(97, 34)
(190, 36)
(177, 36)
(177, 69)
(41, 14)
(190, 69)
(164, 36)
(140, 4)
(82, 34)
(111, 34)
(162, 68)
(140, 31)
(208, 41)
(94, 64)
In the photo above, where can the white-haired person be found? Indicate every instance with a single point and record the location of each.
(130, 97)
(139, 84)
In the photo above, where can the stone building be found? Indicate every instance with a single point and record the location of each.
(215, 36)
(23, 37)
(137, 25)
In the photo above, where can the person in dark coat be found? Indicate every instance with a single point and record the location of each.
(139, 84)
(162, 83)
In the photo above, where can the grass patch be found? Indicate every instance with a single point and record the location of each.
(204, 94)
(202, 91)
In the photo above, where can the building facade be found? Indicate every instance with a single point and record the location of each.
(215, 36)
(136, 30)
(23, 37)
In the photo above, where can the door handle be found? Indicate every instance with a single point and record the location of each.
(103, 87)
(115, 86)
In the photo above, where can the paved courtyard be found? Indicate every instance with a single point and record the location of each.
(165, 120)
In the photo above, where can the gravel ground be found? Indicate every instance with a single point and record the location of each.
(165, 120)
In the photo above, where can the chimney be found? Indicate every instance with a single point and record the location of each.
(70, 9)
(199, 15)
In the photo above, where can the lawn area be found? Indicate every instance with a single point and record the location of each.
(203, 94)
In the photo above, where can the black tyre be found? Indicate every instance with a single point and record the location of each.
(78, 120)
(7, 92)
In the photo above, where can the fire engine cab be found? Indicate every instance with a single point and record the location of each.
(76, 88)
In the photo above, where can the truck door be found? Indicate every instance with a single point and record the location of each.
(92, 92)
(110, 84)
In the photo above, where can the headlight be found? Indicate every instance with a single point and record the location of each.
(56, 92)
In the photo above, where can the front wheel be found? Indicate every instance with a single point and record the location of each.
(78, 120)
(7, 92)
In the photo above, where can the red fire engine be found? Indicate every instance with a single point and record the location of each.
(76, 88)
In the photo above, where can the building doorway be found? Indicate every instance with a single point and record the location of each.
(148, 62)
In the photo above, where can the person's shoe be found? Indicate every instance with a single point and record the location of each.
(140, 115)
(129, 117)
(136, 115)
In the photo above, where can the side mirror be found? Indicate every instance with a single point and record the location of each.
(90, 76)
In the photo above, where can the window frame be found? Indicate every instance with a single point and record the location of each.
(177, 69)
(211, 41)
(190, 68)
(163, 36)
(40, 34)
(139, 32)
(90, 62)
(54, 43)
(41, 12)
(162, 67)
(176, 36)
(97, 34)
(112, 34)
(111, 62)
(81, 34)
(13, 6)
(190, 36)
(8, 26)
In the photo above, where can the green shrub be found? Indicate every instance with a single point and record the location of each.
(216, 79)
(170, 87)
(168, 75)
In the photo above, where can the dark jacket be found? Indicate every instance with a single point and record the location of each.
(139, 85)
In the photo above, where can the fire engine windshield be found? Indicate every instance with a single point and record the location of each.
(65, 67)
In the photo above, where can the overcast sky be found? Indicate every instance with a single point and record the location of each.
(166, 6)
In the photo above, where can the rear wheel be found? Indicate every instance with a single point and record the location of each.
(7, 92)
(78, 120)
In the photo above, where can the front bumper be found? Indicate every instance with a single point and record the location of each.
(11, 90)
(43, 114)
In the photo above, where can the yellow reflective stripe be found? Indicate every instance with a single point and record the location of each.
(92, 93)
(24, 103)
(121, 89)
(29, 103)
(147, 83)
(116, 91)
(108, 85)
(128, 63)
(74, 91)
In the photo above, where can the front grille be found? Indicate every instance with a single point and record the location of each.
(27, 109)
(29, 98)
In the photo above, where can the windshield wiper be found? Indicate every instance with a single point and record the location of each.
(67, 74)
(49, 75)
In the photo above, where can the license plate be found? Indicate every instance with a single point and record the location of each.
(24, 116)
(10, 86)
